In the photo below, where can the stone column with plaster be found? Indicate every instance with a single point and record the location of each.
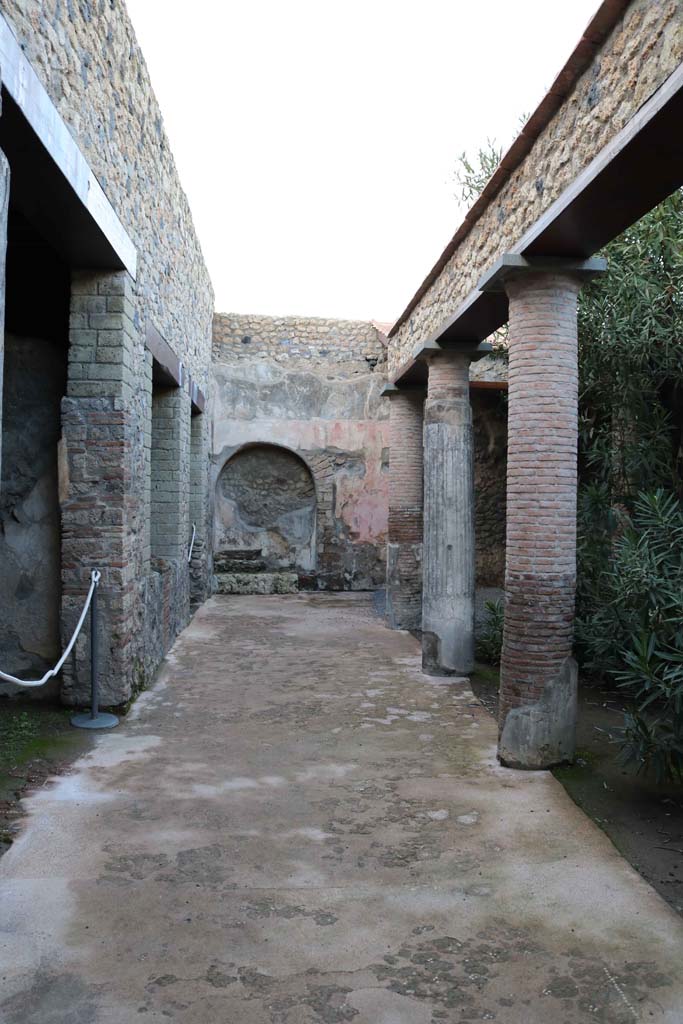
(4, 204)
(404, 547)
(538, 673)
(448, 549)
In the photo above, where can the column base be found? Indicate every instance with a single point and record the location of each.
(433, 658)
(542, 734)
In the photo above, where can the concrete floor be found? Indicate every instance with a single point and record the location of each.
(296, 826)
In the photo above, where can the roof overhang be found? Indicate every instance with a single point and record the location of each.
(641, 166)
(51, 181)
(169, 370)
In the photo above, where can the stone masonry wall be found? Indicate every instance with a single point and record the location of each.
(313, 387)
(298, 339)
(639, 55)
(88, 59)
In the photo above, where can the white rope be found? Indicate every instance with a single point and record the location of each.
(94, 580)
(194, 530)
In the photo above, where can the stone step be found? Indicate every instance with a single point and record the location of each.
(239, 560)
(257, 583)
(236, 566)
(246, 554)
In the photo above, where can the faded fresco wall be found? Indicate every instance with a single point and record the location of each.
(311, 387)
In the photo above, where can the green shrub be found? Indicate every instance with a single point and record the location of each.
(630, 525)
(490, 640)
(635, 632)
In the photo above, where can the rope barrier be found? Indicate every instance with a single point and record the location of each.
(194, 531)
(94, 580)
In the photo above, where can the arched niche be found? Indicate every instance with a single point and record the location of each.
(266, 500)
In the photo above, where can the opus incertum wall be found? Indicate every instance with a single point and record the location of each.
(125, 459)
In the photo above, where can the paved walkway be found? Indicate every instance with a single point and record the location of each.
(296, 826)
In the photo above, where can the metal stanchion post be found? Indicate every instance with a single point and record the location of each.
(95, 719)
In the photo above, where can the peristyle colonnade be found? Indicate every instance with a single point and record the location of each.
(430, 574)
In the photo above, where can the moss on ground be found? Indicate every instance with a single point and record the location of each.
(32, 732)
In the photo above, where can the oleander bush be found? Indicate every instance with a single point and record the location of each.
(630, 520)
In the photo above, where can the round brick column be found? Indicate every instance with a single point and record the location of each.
(538, 673)
(448, 550)
(404, 547)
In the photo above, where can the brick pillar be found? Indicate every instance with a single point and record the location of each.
(170, 473)
(199, 507)
(100, 501)
(404, 547)
(4, 203)
(448, 552)
(538, 673)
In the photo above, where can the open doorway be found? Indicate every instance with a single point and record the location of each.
(35, 371)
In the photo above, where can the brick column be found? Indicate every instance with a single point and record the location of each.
(404, 547)
(4, 203)
(538, 673)
(448, 552)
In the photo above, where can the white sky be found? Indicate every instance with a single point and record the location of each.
(317, 140)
